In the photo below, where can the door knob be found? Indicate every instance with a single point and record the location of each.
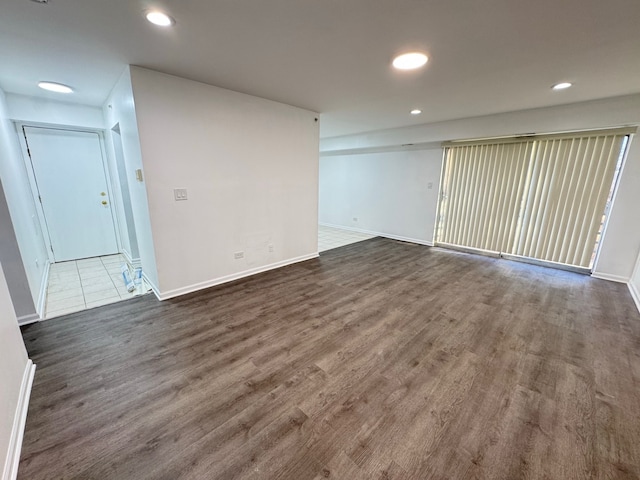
(104, 202)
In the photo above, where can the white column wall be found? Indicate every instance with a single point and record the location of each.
(120, 109)
(14, 376)
(250, 167)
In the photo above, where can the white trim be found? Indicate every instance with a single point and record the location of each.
(116, 198)
(611, 278)
(383, 149)
(635, 294)
(156, 290)
(34, 195)
(10, 470)
(134, 262)
(27, 319)
(378, 234)
(42, 296)
(405, 239)
(127, 256)
(230, 278)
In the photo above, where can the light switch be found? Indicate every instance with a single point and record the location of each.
(180, 194)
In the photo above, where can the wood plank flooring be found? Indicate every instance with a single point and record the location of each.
(379, 360)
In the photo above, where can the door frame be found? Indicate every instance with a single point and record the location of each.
(44, 230)
(118, 167)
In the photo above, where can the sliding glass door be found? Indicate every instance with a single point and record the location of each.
(540, 197)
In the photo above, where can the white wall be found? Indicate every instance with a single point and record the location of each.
(43, 110)
(251, 170)
(22, 209)
(387, 192)
(120, 110)
(14, 268)
(14, 374)
(634, 284)
(610, 112)
(621, 242)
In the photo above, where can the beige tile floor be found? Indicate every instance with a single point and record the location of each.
(330, 237)
(80, 284)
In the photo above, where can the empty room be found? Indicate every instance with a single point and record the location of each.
(310, 240)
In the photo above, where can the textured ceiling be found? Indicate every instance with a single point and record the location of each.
(334, 56)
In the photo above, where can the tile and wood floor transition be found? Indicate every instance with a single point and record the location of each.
(378, 360)
(91, 282)
(80, 284)
(330, 237)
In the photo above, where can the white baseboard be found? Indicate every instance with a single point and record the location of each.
(10, 470)
(27, 319)
(127, 255)
(230, 278)
(611, 278)
(635, 294)
(134, 262)
(379, 234)
(42, 296)
(154, 288)
(406, 239)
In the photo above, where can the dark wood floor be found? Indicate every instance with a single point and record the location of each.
(380, 360)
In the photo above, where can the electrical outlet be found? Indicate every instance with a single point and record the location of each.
(271, 248)
(180, 194)
(238, 255)
(429, 185)
(355, 219)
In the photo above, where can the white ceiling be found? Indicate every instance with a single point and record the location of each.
(334, 56)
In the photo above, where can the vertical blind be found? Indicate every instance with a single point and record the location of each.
(482, 186)
(538, 197)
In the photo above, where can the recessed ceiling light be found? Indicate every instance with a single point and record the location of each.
(55, 87)
(561, 86)
(410, 61)
(159, 18)
(416, 111)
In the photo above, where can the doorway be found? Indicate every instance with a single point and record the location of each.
(84, 211)
(69, 183)
(128, 236)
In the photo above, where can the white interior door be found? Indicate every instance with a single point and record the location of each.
(70, 177)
